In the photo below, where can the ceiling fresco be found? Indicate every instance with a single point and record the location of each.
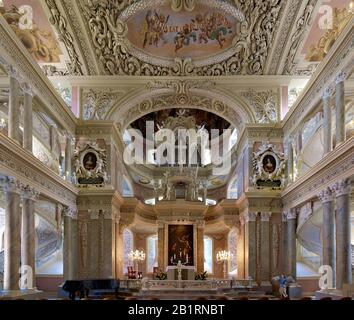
(31, 25)
(176, 38)
(324, 33)
(168, 34)
(315, 33)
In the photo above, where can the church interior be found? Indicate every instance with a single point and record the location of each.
(176, 149)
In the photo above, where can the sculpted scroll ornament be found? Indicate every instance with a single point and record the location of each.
(264, 103)
(97, 103)
(60, 24)
(117, 56)
(301, 26)
(268, 166)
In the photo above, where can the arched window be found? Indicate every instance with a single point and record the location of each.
(127, 188)
(208, 254)
(232, 190)
(151, 246)
(128, 243)
(232, 247)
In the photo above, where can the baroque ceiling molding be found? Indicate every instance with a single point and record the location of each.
(117, 56)
(71, 10)
(180, 86)
(284, 30)
(61, 25)
(96, 103)
(264, 103)
(302, 25)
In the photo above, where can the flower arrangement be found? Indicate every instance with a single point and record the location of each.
(201, 276)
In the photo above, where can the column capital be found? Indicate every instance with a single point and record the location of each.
(69, 137)
(289, 215)
(9, 184)
(326, 195)
(327, 93)
(342, 187)
(27, 88)
(265, 216)
(70, 212)
(341, 77)
(249, 217)
(30, 193)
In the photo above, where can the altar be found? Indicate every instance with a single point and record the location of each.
(187, 272)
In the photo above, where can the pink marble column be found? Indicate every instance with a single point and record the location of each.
(343, 234)
(12, 248)
(28, 236)
(327, 121)
(28, 119)
(328, 230)
(340, 109)
(14, 109)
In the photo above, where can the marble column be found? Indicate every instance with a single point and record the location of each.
(200, 246)
(343, 234)
(12, 247)
(328, 231)
(265, 246)
(290, 161)
(285, 266)
(70, 245)
(327, 121)
(291, 242)
(14, 109)
(68, 158)
(250, 245)
(340, 109)
(161, 245)
(120, 226)
(28, 119)
(241, 249)
(28, 236)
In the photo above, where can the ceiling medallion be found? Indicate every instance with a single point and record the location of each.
(216, 38)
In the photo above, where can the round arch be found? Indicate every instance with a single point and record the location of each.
(139, 104)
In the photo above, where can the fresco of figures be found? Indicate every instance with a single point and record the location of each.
(31, 26)
(165, 33)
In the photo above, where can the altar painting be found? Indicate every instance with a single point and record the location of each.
(180, 245)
